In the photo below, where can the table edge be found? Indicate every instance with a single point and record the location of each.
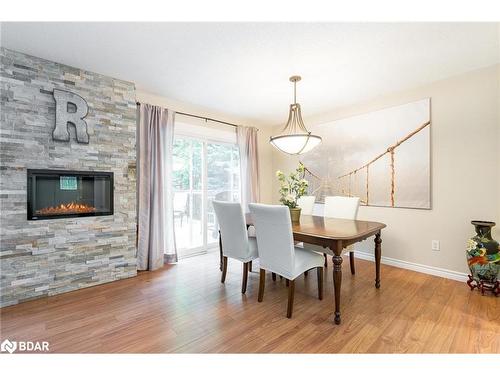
(361, 234)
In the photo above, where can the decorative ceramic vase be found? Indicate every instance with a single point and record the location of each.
(295, 214)
(483, 258)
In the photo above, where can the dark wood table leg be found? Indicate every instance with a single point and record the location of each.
(351, 262)
(220, 251)
(378, 256)
(319, 272)
(337, 278)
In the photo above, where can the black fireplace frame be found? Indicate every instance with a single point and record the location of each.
(62, 172)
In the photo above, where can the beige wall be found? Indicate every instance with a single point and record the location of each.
(265, 156)
(465, 164)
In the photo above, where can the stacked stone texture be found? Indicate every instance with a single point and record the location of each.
(48, 257)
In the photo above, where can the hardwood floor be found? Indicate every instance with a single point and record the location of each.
(184, 308)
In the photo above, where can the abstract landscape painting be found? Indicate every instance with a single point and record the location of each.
(383, 157)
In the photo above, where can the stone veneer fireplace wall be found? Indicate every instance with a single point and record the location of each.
(40, 258)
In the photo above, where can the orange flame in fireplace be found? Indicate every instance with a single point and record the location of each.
(68, 208)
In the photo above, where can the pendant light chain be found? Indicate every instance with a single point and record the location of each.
(294, 92)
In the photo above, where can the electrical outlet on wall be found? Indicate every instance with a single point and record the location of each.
(435, 245)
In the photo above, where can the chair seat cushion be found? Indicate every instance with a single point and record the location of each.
(253, 252)
(304, 261)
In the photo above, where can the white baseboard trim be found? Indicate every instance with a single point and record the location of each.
(436, 271)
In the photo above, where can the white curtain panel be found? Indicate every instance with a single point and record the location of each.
(249, 165)
(156, 238)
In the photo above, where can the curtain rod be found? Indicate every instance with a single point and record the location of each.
(201, 117)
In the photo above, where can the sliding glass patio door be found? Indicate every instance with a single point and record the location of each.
(204, 170)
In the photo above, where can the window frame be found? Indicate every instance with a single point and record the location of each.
(206, 246)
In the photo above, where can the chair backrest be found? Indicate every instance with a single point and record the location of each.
(306, 203)
(232, 228)
(180, 201)
(224, 196)
(341, 207)
(273, 228)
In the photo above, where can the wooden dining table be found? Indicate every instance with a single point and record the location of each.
(336, 235)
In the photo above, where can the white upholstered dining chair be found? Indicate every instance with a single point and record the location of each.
(339, 208)
(306, 203)
(277, 252)
(236, 243)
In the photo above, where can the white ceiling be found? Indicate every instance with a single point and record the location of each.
(242, 69)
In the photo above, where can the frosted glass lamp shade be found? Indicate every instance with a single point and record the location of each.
(295, 144)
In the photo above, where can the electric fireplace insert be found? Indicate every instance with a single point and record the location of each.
(54, 194)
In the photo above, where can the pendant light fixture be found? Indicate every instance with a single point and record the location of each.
(295, 139)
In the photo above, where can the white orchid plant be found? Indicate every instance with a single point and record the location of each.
(292, 187)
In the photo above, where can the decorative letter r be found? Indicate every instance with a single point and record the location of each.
(70, 109)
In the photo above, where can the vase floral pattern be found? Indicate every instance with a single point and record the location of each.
(483, 254)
